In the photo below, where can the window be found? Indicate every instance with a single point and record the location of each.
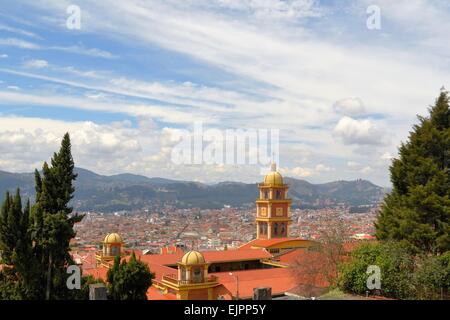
(283, 229)
(114, 250)
(197, 274)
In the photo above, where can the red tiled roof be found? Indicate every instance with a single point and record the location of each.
(210, 256)
(279, 279)
(290, 256)
(162, 259)
(154, 294)
(265, 243)
(98, 273)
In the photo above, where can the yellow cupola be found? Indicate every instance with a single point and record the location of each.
(112, 238)
(112, 245)
(193, 257)
(273, 178)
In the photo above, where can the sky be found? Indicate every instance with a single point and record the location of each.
(136, 74)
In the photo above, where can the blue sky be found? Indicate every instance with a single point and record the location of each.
(342, 96)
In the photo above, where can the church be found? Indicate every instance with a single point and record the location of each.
(228, 274)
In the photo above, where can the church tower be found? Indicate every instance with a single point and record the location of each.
(273, 207)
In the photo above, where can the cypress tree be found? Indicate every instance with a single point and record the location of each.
(53, 220)
(16, 247)
(417, 211)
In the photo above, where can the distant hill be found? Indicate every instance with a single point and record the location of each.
(129, 192)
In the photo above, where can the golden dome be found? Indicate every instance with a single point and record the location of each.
(273, 177)
(113, 238)
(193, 257)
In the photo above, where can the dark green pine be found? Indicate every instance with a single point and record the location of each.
(417, 211)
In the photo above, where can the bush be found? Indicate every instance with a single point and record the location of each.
(403, 275)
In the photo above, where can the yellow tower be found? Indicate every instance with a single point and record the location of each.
(273, 207)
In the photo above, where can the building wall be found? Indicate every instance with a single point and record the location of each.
(198, 294)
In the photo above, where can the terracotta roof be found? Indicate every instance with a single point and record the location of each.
(162, 259)
(279, 279)
(160, 270)
(210, 256)
(265, 243)
(290, 256)
(98, 273)
(154, 294)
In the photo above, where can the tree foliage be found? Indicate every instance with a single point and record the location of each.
(18, 277)
(417, 211)
(34, 242)
(129, 280)
(403, 274)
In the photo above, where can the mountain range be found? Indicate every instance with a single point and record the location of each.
(95, 192)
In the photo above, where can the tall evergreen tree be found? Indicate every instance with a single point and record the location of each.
(53, 220)
(16, 247)
(417, 211)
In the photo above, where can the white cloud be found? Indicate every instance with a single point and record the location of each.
(289, 10)
(35, 64)
(355, 166)
(30, 141)
(93, 52)
(14, 42)
(349, 107)
(18, 31)
(323, 168)
(359, 132)
(3, 56)
(386, 156)
(298, 71)
(296, 172)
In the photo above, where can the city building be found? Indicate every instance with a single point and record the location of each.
(229, 273)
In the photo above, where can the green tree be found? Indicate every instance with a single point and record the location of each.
(53, 221)
(396, 265)
(129, 280)
(417, 211)
(431, 277)
(403, 274)
(16, 249)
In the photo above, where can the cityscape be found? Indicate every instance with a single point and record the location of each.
(211, 229)
(224, 158)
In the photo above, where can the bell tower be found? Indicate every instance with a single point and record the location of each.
(273, 207)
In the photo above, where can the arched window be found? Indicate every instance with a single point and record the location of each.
(114, 250)
(278, 195)
(266, 194)
(275, 228)
(283, 229)
(264, 228)
(197, 274)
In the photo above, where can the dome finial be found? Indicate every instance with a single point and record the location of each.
(273, 166)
